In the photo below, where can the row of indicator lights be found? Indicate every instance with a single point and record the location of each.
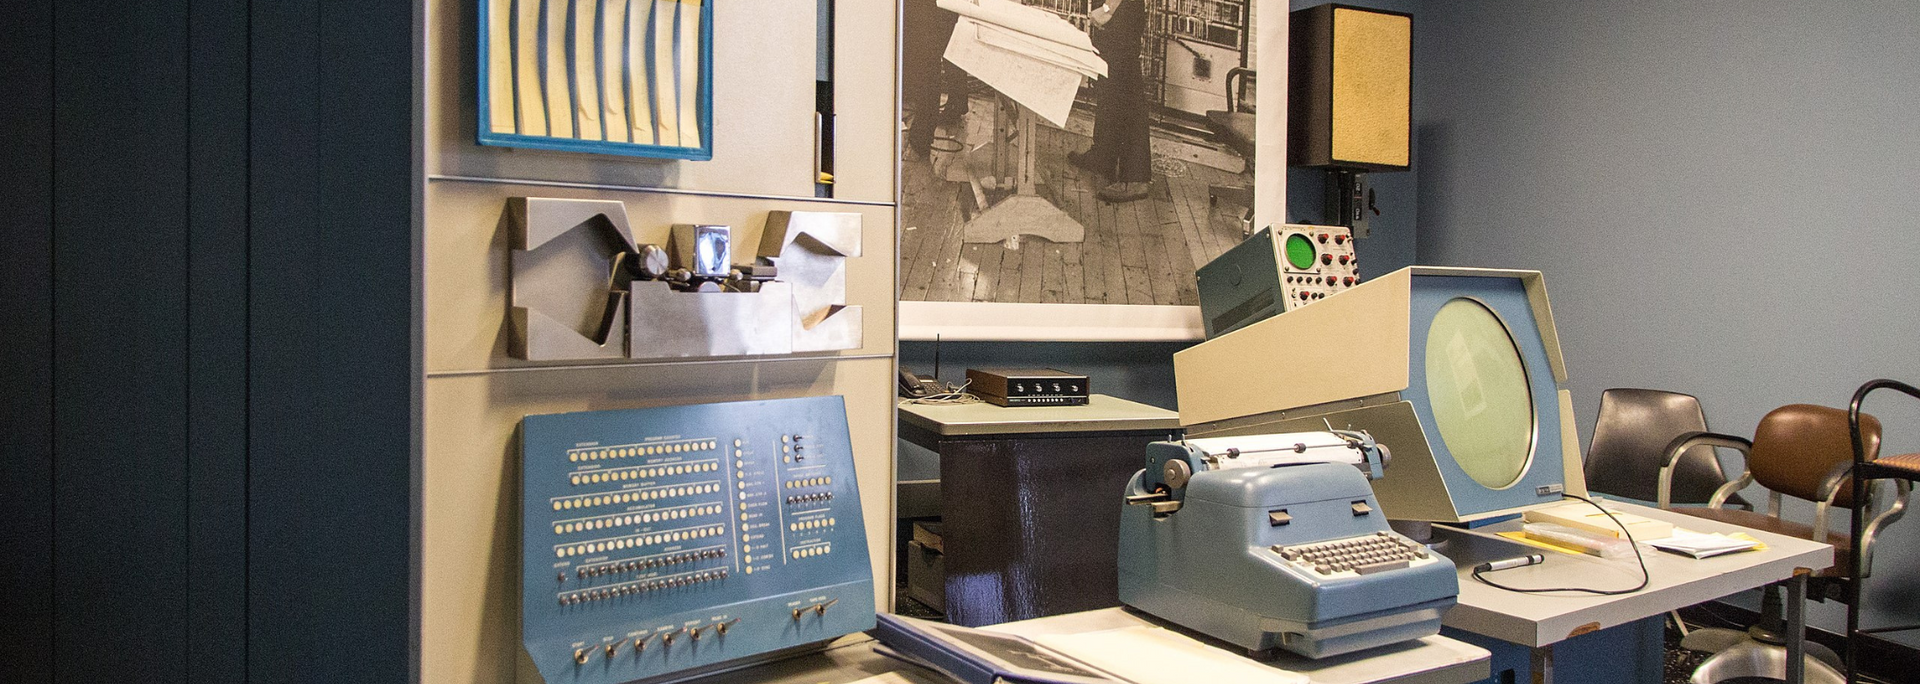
(603, 594)
(810, 498)
(637, 540)
(809, 482)
(634, 519)
(647, 563)
(632, 473)
(630, 497)
(812, 551)
(632, 451)
(810, 524)
(581, 655)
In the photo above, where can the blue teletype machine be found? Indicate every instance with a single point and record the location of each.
(1276, 542)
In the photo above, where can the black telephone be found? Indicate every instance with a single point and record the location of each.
(916, 387)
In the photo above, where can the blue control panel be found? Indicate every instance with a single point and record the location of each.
(657, 540)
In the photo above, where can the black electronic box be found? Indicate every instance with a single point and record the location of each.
(1027, 386)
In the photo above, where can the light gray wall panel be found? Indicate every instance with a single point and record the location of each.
(1721, 195)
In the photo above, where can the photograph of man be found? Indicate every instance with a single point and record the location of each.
(935, 91)
(1122, 151)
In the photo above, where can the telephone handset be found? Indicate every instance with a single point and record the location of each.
(916, 387)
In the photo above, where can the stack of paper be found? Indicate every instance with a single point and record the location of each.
(1030, 55)
(1703, 545)
(1581, 515)
(1151, 655)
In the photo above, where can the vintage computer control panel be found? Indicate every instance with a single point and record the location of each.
(1316, 262)
(657, 540)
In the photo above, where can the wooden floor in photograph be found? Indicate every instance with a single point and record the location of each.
(1140, 252)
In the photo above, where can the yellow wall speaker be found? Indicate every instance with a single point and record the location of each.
(1351, 88)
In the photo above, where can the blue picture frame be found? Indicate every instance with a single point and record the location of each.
(486, 133)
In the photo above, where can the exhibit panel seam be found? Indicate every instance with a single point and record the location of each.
(651, 364)
(657, 190)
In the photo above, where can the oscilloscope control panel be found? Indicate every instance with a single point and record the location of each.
(1316, 262)
(657, 540)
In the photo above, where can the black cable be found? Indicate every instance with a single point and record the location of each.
(1645, 578)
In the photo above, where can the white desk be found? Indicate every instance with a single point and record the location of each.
(1541, 620)
(1432, 660)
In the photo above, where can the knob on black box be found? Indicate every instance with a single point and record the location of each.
(1027, 386)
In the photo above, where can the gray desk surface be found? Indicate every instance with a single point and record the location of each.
(1432, 660)
(847, 660)
(1101, 414)
(1540, 619)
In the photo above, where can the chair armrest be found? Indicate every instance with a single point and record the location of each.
(1864, 538)
(1829, 490)
(1902, 489)
(1688, 440)
(1233, 91)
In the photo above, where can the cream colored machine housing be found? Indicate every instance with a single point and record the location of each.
(1347, 361)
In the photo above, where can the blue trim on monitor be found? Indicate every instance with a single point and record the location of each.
(1507, 297)
(484, 134)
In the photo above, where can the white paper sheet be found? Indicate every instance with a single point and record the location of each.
(1043, 87)
(558, 82)
(639, 93)
(613, 59)
(666, 102)
(1029, 20)
(1152, 655)
(527, 76)
(500, 67)
(586, 82)
(1087, 62)
(689, 80)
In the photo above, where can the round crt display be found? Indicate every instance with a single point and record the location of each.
(1300, 252)
(1477, 386)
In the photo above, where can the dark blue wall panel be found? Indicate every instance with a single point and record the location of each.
(217, 342)
(26, 369)
(331, 357)
(207, 290)
(119, 382)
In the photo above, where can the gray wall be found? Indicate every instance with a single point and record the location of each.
(1722, 196)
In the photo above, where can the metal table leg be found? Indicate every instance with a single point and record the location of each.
(1797, 626)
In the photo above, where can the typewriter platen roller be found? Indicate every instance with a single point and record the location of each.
(1276, 542)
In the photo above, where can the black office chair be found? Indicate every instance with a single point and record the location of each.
(1903, 469)
(1629, 447)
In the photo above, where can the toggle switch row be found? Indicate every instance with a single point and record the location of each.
(588, 596)
(810, 498)
(581, 655)
(650, 563)
(816, 609)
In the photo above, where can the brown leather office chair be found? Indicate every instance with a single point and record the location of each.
(1802, 450)
(1798, 449)
(1629, 446)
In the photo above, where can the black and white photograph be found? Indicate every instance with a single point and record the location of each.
(1073, 151)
